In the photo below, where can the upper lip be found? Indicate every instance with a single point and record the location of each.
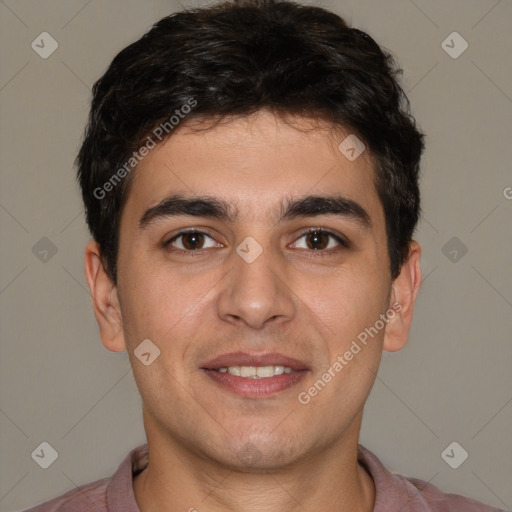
(245, 359)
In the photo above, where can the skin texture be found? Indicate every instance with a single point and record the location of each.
(305, 303)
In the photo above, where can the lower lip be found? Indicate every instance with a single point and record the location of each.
(255, 388)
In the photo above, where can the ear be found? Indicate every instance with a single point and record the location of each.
(404, 290)
(105, 300)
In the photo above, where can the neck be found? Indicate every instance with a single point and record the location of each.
(179, 480)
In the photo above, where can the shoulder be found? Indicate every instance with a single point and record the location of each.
(394, 491)
(108, 494)
(87, 497)
(434, 499)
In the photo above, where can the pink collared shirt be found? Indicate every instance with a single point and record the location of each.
(394, 492)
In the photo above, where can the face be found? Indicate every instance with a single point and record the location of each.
(265, 264)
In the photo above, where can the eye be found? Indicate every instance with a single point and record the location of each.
(190, 241)
(316, 239)
(320, 240)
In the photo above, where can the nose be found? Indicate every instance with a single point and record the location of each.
(257, 293)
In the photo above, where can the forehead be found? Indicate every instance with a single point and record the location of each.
(256, 164)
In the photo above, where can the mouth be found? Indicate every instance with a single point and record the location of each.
(255, 376)
(255, 372)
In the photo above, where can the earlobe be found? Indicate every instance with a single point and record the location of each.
(105, 300)
(404, 291)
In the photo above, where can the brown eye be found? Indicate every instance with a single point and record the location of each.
(321, 240)
(317, 240)
(190, 241)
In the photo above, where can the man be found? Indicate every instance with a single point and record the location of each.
(250, 178)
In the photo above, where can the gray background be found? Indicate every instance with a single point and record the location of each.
(452, 382)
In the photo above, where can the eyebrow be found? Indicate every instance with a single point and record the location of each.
(213, 208)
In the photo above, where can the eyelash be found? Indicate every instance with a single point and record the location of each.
(321, 252)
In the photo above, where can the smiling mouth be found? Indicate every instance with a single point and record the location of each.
(255, 381)
(255, 375)
(255, 372)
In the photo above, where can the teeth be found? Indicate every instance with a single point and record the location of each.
(256, 372)
(247, 371)
(234, 370)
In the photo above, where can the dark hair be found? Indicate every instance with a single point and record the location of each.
(237, 58)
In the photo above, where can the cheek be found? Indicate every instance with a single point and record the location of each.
(161, 303)
(349, 299)
(350, 305)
